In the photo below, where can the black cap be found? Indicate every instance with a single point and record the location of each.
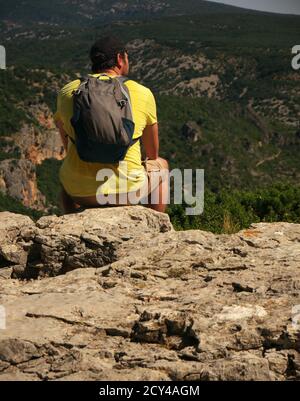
(103, 53)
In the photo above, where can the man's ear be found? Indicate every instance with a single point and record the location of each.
(120, 60)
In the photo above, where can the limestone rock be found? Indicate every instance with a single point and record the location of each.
(192, 131)
(37, 146)
(90, 239)
(131, 299)
(18, 180)
(12, 244)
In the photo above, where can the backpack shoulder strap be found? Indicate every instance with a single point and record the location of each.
(123, 79)
(83, 81)
(84, 78)
(125, 92)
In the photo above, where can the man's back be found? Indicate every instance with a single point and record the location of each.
(79, 177)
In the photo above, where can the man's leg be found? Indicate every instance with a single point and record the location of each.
(157, 198)
(158, 184)
(67, 203)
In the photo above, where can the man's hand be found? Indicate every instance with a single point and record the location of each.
(63, 135)
(151, 141)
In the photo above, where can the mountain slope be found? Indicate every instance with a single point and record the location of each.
(225, 71)
(89, 11)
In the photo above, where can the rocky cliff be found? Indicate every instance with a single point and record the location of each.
(23, 151)
(117, 294)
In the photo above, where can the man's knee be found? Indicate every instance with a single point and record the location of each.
(164, 163)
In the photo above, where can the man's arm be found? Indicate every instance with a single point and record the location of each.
(151, 141)
(63, 135)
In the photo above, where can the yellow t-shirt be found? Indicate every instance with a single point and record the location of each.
(78, 177)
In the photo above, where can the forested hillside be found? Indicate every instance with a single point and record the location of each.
(228, 98)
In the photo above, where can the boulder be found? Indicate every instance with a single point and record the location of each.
(93, 238)
(131, 299)
(13, 228)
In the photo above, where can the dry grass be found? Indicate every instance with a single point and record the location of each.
(229, 226)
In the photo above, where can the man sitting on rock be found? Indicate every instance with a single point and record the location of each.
(130, 180)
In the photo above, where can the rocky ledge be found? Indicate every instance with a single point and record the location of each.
(117, 294)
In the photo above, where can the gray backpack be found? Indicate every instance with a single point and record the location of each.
(102, 119)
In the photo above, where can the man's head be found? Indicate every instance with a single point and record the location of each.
(109, 53)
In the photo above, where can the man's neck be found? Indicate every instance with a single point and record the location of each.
(110, 72)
